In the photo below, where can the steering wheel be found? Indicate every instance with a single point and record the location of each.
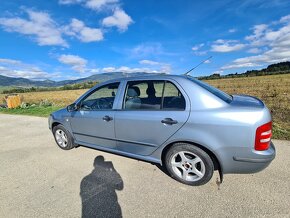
(101, 103)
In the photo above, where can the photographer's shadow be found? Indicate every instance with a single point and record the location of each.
(97, 190)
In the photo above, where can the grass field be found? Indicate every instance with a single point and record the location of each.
(274, 90)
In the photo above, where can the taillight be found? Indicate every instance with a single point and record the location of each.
(263, 137)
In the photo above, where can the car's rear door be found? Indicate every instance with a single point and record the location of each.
(93, 123)
(152, 111)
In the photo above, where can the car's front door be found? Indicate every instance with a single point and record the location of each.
(152, 111)
(93, 123)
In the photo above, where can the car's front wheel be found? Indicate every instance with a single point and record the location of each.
(189, 164)
(62, 137)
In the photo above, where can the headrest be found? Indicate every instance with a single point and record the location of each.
(150, 91)
(133, 91)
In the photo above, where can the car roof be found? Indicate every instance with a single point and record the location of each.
(148, 77)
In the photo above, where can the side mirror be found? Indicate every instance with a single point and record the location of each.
(72, 107)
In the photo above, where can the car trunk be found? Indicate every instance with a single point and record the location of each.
(246, 101)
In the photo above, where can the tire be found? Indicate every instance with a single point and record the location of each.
(189, 164)
(63, 138)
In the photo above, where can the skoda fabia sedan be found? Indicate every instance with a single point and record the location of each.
(179, 122)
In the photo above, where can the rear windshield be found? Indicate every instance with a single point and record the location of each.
(222, 95)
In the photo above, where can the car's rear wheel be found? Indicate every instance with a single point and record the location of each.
(62, 137)
(189, 164)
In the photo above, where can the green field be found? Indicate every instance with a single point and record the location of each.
(274, 90)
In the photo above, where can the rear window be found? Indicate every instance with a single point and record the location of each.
(220, 94)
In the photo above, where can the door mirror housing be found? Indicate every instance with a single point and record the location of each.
(72, 107)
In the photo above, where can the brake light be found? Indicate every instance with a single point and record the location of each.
(263, 137)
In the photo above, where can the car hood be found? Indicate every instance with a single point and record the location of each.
(246, 101)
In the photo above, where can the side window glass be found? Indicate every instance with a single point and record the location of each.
(173, 99)
(143, 95)
(101, 99)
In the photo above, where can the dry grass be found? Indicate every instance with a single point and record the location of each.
(274, 90)
(61, 98)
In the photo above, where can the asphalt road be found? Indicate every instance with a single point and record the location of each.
(37, 179)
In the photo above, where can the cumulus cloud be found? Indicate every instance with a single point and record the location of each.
(119, 19)
(79, 30)
(275, 37)
(98, 4)
(227, 46)
(16, 68)
(77, 63)
(39, 25)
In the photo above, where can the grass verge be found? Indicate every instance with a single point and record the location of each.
(40, 111)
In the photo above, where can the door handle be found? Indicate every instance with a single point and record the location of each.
(107, 118)
(169, 121)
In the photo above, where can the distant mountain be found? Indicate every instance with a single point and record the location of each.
(279, 68)
(22, 82)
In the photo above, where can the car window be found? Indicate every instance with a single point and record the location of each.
(220, 94)
(173, 99)
(152, 95)
(143, 95)
(101, 99)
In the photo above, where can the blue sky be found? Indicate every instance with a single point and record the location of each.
(69, 39)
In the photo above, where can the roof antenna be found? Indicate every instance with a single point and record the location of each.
(186, 74)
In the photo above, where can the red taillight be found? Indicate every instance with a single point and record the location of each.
(263, 137)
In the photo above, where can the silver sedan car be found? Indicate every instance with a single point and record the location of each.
(179, 122)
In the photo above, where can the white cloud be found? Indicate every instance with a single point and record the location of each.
(39, 25)
(78, 29)
(239, 65)
(9, 61)
(255, 38)
(77, 63)
(226, 46)
(197, 47)
(16, 68)
(285, 19)
(125, 69)
(68, 2)
(119, 19)
(276, 41)
(254, 50)
(148, 62)
(98, 4)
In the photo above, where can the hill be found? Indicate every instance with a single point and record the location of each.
(279, 68)
(273, 69)
(22, 82)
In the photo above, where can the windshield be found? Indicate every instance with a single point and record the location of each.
(222, 95)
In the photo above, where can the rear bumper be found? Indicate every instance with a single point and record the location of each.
(252, 162)
(264, 158)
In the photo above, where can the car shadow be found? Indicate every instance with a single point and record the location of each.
(98, 190)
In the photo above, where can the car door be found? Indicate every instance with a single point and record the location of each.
(93, 122)
(152, 111)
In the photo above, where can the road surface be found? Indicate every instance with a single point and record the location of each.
(40, 180)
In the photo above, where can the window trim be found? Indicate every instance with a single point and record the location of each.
(162, 97)
(95, 90)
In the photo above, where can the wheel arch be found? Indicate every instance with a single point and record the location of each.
(216, 162)
(54, 124)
